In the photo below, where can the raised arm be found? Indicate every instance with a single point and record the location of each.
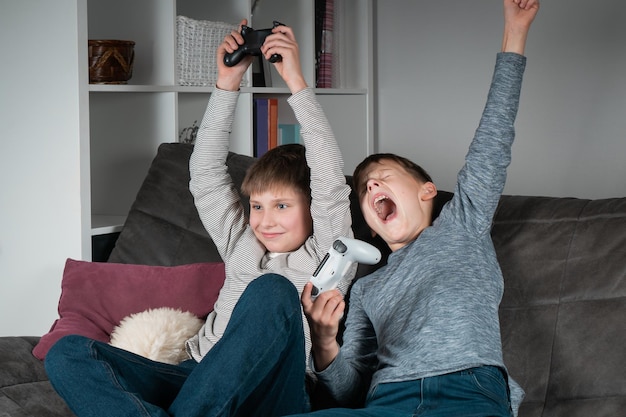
(330, 204)
(518, 16)
(482, 178)
(217, 201)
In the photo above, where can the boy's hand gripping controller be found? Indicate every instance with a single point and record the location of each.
(341, 255)
(253, 40)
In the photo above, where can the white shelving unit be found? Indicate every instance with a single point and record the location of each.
(128, 122)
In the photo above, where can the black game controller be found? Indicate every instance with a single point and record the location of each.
(252, 41)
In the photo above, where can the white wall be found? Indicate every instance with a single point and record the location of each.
(435, 61)
(40, 210)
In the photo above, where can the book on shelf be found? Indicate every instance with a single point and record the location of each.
(288, 133)
(265, 118)
(260, 134)
(324, 42)
(273, 123)
(320, 7)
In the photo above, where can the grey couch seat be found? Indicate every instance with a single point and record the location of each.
(24, 386)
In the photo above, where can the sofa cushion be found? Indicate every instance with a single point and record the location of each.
(95, 296)
(24, 386)
(163, 226)
(562, 313)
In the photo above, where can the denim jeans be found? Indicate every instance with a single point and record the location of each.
(474, 392)
(256, 369)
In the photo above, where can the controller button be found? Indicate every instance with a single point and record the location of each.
(339, 246)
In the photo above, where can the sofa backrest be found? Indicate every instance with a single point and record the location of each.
(163, 226)
(563, 313)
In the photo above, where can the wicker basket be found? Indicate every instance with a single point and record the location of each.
(110, 61)
(197, 42)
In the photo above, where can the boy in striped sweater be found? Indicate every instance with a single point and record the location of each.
(299, 204)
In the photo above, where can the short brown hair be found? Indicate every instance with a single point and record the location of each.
(282, 166)
(411, 167)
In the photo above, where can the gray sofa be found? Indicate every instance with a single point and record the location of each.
(563, 315)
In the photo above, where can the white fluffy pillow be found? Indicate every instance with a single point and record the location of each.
(158, 334)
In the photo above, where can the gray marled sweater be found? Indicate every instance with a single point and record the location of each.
(433, 309)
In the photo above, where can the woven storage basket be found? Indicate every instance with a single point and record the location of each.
(110, 61)
(197, 42)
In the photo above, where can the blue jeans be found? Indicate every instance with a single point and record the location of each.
(474, 392)
(256, 369)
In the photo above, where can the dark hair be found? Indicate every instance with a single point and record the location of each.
(410, 167)
(282, 166)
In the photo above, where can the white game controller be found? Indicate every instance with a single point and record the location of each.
(343, 252)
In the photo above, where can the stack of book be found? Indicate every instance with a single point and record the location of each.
(267, 132)
(324, 43)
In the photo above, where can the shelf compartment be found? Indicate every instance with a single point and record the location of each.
(125, 132)
(149, 23)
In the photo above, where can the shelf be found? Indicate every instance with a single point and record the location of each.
(340, 91)
(104, 224)
(128, 88)
(318, 91)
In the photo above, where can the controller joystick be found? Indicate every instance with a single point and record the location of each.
(253, 40)
(343, 252)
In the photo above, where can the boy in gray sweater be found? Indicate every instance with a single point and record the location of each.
(422, 333)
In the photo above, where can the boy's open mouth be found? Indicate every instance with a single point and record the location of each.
(384, 207)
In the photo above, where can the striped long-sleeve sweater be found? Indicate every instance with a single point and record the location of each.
(223, 215)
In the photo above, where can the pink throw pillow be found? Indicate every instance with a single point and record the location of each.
(96, 296)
